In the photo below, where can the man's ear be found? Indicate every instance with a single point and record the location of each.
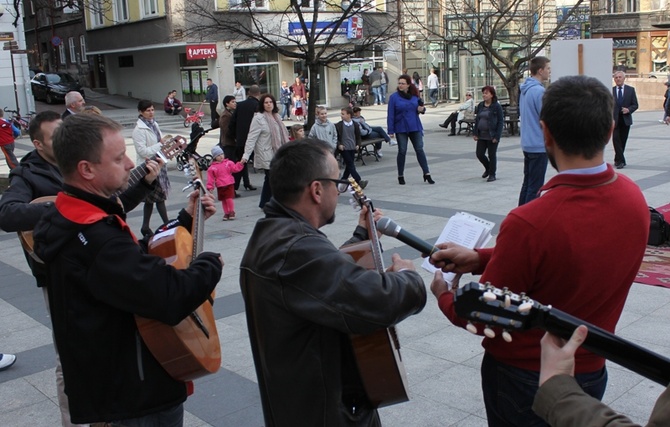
(86, 170)
(548, 138)
(316, 191)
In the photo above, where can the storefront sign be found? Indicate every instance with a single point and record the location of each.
(295, 28)
(200, 51)
(624, 43)
(355, 30)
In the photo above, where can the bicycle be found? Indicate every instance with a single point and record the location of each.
(193, 116)
(21, 122)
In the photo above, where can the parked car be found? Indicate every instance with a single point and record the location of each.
(662, 73)
(52, 87)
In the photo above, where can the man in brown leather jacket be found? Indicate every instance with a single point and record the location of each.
(304, 298)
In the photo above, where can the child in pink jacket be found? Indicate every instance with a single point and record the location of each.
(220, 175)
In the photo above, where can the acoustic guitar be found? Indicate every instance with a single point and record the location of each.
(377, 354)
(169, 149)
(511, 312)
(190, 349)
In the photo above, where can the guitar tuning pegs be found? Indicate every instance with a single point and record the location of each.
(525, 307)
(507, 301)
(489, 296)
(507, 336)
(471, 328)
(488, 332)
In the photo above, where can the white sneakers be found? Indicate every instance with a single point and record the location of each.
(379, 153)
(393, 142)
(6, 360)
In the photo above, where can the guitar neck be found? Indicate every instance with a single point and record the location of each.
(623, 352)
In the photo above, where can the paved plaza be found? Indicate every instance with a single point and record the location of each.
(442, 361)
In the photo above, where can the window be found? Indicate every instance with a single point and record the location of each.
(73, 50)
(97, 13)
(632, 5)
(61, 53)
(82, 48)
(121, 10)
(253, 4)
(150, 7)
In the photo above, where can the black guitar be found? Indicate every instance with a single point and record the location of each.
(500, 307)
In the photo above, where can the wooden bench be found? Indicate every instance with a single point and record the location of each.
(511, 119)
(469, 124)
(365, 147)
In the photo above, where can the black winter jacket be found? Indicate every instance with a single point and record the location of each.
(98, 279)
(303, 299)
(33, 178)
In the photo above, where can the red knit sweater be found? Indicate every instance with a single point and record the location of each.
(578, 248)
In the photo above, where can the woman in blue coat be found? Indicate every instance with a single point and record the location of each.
(403, 121)
(489, 121)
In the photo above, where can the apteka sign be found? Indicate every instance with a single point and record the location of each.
(201, 51)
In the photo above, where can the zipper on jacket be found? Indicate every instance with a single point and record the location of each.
(138, 346)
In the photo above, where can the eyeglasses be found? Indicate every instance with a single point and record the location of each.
(342, 185)
(468, 94)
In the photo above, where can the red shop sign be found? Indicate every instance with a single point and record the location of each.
(201, 51)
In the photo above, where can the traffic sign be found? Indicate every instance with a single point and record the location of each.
(6, 36)
(10, 46)
(18, 51)
(56, 41)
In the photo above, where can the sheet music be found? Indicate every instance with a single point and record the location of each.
(466, 230)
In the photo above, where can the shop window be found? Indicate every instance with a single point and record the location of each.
(126, 61)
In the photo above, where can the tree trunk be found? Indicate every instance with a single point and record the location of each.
(313, 94)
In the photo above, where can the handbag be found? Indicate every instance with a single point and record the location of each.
(659, 229)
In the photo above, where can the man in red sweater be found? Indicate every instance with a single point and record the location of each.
(577, 247)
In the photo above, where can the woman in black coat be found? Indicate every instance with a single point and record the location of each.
(487, 131)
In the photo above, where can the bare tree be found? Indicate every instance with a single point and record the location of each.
(316, 45)
(507, 32)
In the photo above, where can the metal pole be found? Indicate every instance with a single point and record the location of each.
(16, 92)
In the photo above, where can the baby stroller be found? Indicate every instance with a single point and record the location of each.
(203, 162)
(361, 95)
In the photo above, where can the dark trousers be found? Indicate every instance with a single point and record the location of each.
(266, 191)
(212, 110)
(235, 154)
(451, 120)
(173, 417)
(349, 158)
(490, 163)
(509, 392)
(534, 169)
(619, 139)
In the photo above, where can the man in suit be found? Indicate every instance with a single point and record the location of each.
(239, 129)
(625, 104)
(74, 103)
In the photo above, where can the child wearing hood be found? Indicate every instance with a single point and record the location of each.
(323, 129)
(220, 176)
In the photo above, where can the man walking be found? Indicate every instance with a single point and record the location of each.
(532, 138)
(433, 85)
(212, 96)
(625, 106)
(239, 129)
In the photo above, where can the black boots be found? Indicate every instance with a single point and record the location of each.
(427, 178)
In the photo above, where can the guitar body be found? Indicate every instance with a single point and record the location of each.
(191, 349)
(378, 354)
(26, 237)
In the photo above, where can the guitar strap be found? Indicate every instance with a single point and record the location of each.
(84, 213)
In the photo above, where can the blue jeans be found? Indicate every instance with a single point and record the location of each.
(379, 132)
(286, 111)
(432, 93)
(534, 168)
(173, 417)
(417, 142)
(509, 392)
(375, 94)
(382, 93)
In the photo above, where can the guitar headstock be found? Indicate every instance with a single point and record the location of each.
(484, 303)
(172, 146)
(359, 198)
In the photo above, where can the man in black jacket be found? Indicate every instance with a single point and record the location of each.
(99, 277)
(239, 129)
(38, 176)
(304, 297)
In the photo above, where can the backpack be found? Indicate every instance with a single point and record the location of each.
(659, 229)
